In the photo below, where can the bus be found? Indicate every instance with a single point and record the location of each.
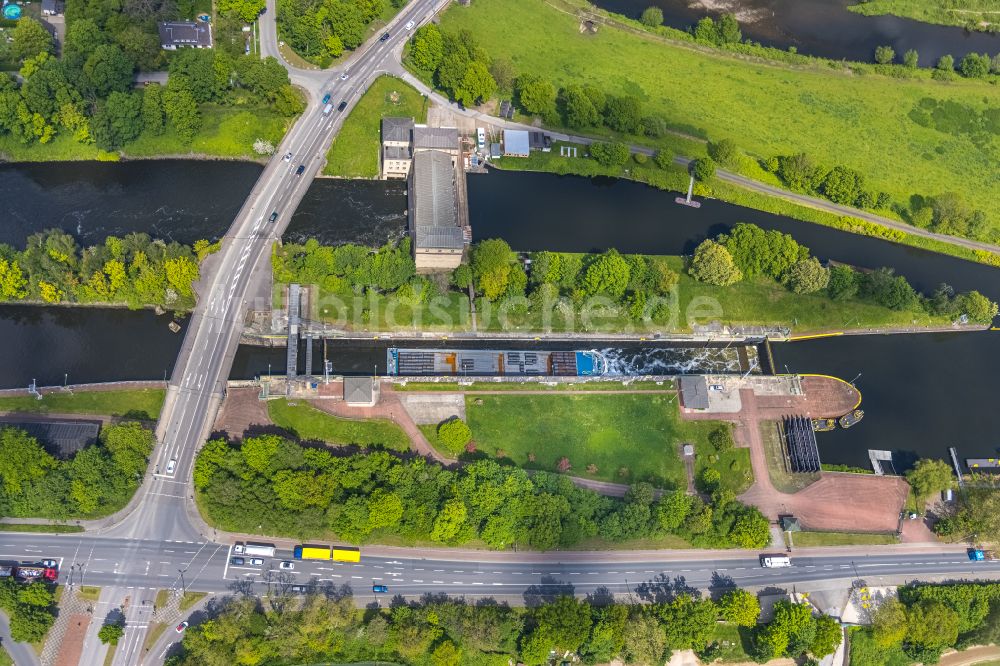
(337, 554)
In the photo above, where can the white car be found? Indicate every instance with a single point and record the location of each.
(288, 157)
(343, 77)
(716, 387)
(50, 564)
(256, 562)
(409, 26)
(287, 566)
(171, 465)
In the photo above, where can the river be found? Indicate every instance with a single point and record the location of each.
(922, 393)
(822, 28)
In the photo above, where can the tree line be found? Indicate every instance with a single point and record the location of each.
(30, 608)
(87, 92)
(277, 486)
(97, 480)
(453, 632)
(927, 619)
(748, 251)
(321, 30)
(134, 270)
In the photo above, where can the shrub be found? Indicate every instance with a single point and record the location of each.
(884, 55)
(703, 169)
(808, 276)
(640, 158)
(564, 465)
(453, 435)
(609, 154)
(721, 439)
(652, 17)
(712, 264)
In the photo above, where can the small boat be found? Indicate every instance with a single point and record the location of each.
(824, 425)
(174, 327)
(847, 420)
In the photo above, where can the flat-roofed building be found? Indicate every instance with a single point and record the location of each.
(397, 151)
(180, 34)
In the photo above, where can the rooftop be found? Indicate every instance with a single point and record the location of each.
(185, 33)
(359, 390)
(515, 142)
(435, 212)
(694, 392)
(435, 138)
(397, 129)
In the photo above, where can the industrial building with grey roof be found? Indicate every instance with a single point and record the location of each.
(433, 203)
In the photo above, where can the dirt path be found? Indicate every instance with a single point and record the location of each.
(974, 655)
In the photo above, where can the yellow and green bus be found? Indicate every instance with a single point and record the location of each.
(335, 553)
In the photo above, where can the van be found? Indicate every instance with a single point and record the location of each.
(342, 105)
(327, 109)
(775, 561)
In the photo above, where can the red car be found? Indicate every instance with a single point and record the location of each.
(182, 626)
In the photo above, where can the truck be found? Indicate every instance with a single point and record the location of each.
(254, 549)
(337, 553)
(6, 571)
(775, 561)
(34, 572)
(981, 555)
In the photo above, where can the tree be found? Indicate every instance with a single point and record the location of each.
(246, 11)
(153, 117)
(931, 625)
(13, 283)
(889, 626)
(842, 185)
(28, 39)
(911, 59)
(563, 624)
(578, 107)
(652, 17)
(689, 622)
(428, 47)
(108, 69)
(712, 264)
(728, 29)
(608, 275)
(929, 476)
(110, 634)
(726, 153)
(703, 169)
(740, 607)
(798, 171)
(884, 55)
(887, 289)
(808, 276)
(536, 96)
(502, 70)
(181, 109)
(477, 85)
(946, 63)
(976, 307)
(644, 640)
(118, 121)
(663, 158)
(453, 435)
(750, 529)
(449, 521)
(828, 636)
(609, 154)
(843, 284)
(491, 267)
(975, 66)
(623, 114)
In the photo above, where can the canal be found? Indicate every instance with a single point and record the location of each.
(922, 393)
(824, 28)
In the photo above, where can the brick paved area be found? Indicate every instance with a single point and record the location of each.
(241, 412)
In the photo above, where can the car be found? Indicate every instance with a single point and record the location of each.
(297, 589)
(50, 564)
(343, 77)
(342, 105)
(182, 626)
(384, 37)
(171, 465)
(381, 589)
(326, 100)
(256, 562)
(237, 561)
(409, 25)
(288, 157)
(274, 216)
(287, 566)
(300, 170)
(716, 387)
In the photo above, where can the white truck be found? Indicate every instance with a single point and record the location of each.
(775, 561)
(254, 549)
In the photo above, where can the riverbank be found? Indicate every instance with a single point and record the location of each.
(982, 15)
(838, 116)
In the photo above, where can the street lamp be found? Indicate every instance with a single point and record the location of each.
(183, 586)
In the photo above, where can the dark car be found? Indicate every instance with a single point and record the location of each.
(382, 589)
(238, 561)
(384, 37)
(342, 105)
(274, 216)
(326, 98)
(300, 170)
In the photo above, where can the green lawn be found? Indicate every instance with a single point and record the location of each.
(89, 593)
(139, 403)
(734, 643)
(945, 12)
(733, 465)
(45, 529)
(808, 539)
(455, 387)
(837, 115)
(309, 423)
(640, 433)
(354, 153)
(5, 659)
(189, 599)
(226, 132)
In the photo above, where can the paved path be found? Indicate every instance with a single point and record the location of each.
(23, 654)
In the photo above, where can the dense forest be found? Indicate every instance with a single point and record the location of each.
(88, 93)
(97, 480)
(275, 486)
(554, 628)
(321, 30)
(133, 270)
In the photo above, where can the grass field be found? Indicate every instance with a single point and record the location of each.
(89, 593)
(945, 12)
(141, 403)
(44, 529)
(354, 153)
(5, 659)
(808, 539)
(226, 132)
(309, 423)
(638, 433)
(837, 116)
(189, 599)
